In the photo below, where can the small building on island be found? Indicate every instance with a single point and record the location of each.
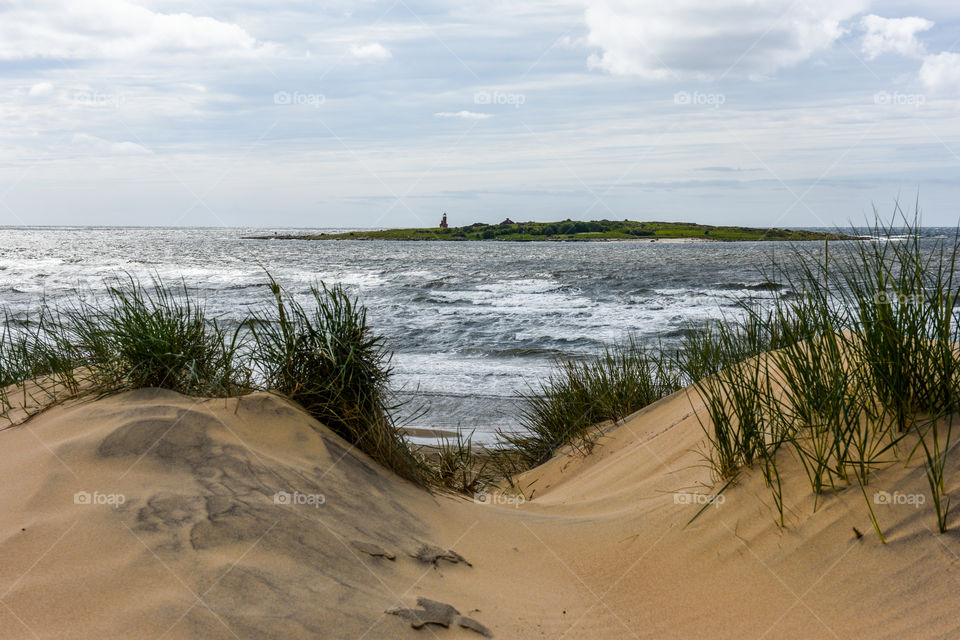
(443, 221)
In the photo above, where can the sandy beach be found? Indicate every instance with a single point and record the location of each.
(150, 514)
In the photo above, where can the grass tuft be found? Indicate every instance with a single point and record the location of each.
(329, 360)
(567, 408)
(459, 465)
(153, 336)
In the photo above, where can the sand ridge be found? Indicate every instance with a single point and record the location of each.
(149, 514)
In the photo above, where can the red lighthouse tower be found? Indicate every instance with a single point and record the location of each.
(443, 222)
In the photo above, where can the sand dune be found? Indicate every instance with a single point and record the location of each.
(153, 515)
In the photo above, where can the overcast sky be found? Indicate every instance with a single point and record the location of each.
(390, 112)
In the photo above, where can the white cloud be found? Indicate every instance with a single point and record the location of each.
(941, 71)
(466, 115)
(372, 52)
(893, 35)
(711, 38)
(118, 29)
(105, 147)
(41, 90)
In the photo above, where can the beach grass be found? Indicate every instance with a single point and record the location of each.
(324, 356)
(24, 355)
(327, 358)
(458, 465)
(864, 361)
(148, 336)
(568, 408)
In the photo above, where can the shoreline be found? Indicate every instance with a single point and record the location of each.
(664, 239)
(570, 240)
(571, 231)
(428, 432)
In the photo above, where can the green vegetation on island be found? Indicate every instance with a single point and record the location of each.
(570, 230)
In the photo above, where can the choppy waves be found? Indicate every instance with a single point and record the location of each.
(471, 324)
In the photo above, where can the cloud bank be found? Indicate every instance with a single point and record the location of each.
(712, 38)
(100, 29)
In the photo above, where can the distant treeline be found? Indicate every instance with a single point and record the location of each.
(573, 230)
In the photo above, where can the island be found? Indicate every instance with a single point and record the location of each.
(571, 231)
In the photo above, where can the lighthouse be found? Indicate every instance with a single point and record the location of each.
(443, 221)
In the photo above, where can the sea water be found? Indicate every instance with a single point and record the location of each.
(471, 324)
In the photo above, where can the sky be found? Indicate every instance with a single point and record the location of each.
(387, 113)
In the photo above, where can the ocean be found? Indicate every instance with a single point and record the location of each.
(470, 324)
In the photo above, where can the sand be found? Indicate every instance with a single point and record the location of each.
(153, 515)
